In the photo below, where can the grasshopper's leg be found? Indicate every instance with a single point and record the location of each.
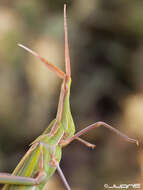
(20, 180)
(41, 166)
(63, 177)
(56, 164)
(96, 125)
(86, 143)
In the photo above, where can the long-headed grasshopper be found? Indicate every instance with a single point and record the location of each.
(44, 155)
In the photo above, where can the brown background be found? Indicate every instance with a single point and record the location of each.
(106, 48)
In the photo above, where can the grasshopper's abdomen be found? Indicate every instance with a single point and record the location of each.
(29, 165)
(43, 149)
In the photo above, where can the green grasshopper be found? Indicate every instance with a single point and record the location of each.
(43, 158)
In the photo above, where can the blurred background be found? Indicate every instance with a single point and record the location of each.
(106, 50)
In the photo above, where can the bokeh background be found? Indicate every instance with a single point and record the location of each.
(106, 49)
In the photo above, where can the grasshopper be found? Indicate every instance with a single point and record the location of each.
(43, 158)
